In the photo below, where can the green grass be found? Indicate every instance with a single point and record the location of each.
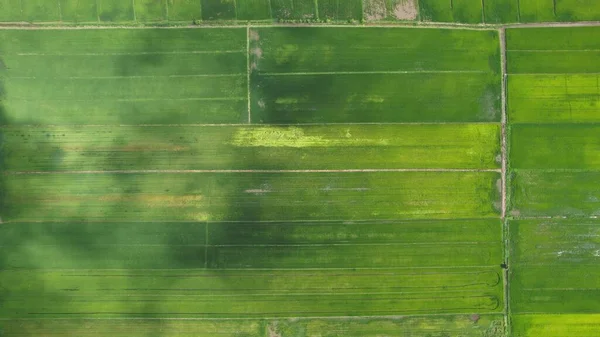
(576, 61)
(501, 11)
(546, 193)
(257, 196)
(557, 146)
(578, 10)
(40, 11)
(537, 11)
(184, 10)
(266, 147)
(576, 325)
(79, 10)
(10, 11)
(293, 9)
(340, 9)
(115, 10)
(150, 10)
(253, 10)
(553, 98)
(218, 9)
(463, 11)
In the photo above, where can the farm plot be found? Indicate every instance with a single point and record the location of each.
(79, 11)
(465, 11)
(139, 214)
(326, 79)
(456, 146)
(480, 326)
(537, 11)
(554, 287)
(553, 108)
(577, 10)
(125, 76)
(255, 196)
(457, 279)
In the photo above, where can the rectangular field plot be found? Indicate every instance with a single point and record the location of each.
(554, 266)
(184, 10)
(464, 11)
(115, 10)
(10, 11)
(150, 10)
(79, 10)
(40, 11)
(553, 50)
(555, 325)
(537, 11)
(345, 82)
(555, 193)
(218, 9)
(554, 98)
(340, 9)
(258, 327)
(253, 10)
(577, 10)
(501, 11)
(125, 76)
(293, 9)
(558, 146)
(108, 293)
(266, 147)
(252, 196)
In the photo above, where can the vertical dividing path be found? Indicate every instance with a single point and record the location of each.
(248, 69)
(505, 236)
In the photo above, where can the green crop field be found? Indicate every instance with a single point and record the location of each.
(555, 173)
(249, 181)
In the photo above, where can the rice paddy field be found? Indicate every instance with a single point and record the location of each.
(185, 12)
(553, 115)
(241, 182)
(296, 181)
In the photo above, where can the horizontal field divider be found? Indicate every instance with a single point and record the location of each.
(277, 245)
(138, 53)
(238, 124)
(134, 99)
(495, 313)
(394, 72)
(120, 77)
(552, 50)
(491, 267)
(250, 171)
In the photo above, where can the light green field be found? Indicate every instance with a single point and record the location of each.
(556, 146)
(253, 9)
(125, 76)
(553, 98)
(333, 81)
(10, 11)
(115, 11)
(40, 11)
(578, 10)
(255, 196)
(553, 38)
(501, 11)
(464, 11)
(561, 193)
(537, 11)
(263, 147)
(184, 10)
(79, 10)
(576, 325)
(459, 325)
(150, 10)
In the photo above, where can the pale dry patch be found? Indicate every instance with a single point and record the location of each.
(257, 52)
(262, 104)
(375, 10)
(272, 330)
(406, 10)
(156, 200)
(254, 36)
(128, 148)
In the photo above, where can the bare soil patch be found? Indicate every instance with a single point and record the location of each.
(375, 10)
(406, 10)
